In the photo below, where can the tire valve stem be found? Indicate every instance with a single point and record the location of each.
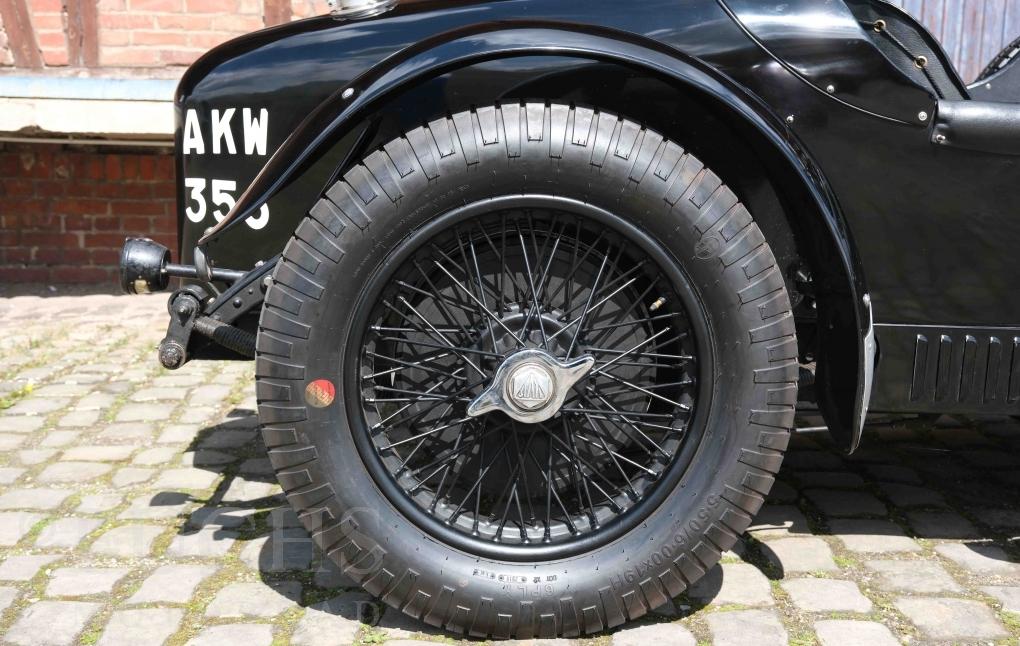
(657, 304)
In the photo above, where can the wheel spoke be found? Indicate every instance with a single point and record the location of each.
(536, 305)
(624, 354)
(624, 417)
(587, 307)
(441, 302)
(646, 391)
(580, 319)
(409, 365)
(456, 422)
(488, 313)
(469, 297)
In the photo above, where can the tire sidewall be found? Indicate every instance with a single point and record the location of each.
(674, 531)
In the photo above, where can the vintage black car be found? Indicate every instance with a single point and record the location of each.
(531, 285)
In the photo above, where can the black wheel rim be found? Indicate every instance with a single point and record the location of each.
(460, 295)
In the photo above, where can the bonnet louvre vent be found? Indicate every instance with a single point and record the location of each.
(966, 368)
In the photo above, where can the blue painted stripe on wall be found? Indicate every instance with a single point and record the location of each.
(102, 89)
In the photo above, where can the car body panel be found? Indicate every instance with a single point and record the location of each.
(822, 41)
(926, 233)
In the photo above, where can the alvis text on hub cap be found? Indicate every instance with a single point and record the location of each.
(530, 386)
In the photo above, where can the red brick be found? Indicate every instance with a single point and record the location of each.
(164, 225)
(165, 190)
(62, 166)
(19, 187)
(92, 275)
(160, 6)
(58, 188)
(77, 223)
(130, 56)
(126, 21)
(44, 6)
(133, 224)
(165, 167)
(104, 257)
(183, 22)
(51, 39)
(122, 190)
(159, 37)
(14, 207)
(237, 23)
(96, 168)
(137, 207)
(55, 57)
(51, 239)
(105, 223)
(128, 167)
(112, 168)
(169, 241)
(17, 254)
(208, 40)
(211, 6)
(64, 214)
(10, 165)
(23, 274)
(81, 206)
(179, 56)
(146, 168)
(37, 166)
(63, 256)
(40, 221)
(104, 239)
(50, 20)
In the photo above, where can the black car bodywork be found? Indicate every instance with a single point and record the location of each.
(887, 192)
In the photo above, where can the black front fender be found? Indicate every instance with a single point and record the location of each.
(346, 108)
(349, 107)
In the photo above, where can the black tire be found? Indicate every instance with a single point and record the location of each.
(1001, 60)
(598, 159)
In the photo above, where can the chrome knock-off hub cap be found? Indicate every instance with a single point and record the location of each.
(530, 386)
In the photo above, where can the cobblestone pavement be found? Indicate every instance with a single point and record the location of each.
(137, 506)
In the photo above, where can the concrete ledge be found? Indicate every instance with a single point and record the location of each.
(102, 110)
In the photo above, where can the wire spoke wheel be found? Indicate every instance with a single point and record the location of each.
(484, 290)
(535, 387)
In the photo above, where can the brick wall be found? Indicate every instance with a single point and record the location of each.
(64, 213)
(147, 33)
(155, 35)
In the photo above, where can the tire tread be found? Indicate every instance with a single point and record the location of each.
(607, 143)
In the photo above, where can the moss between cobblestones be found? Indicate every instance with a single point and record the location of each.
(32, 534)
(12, 398)
(798, 624)
(1011, 621)
(36, 359)
(844, 561)
(29, 593)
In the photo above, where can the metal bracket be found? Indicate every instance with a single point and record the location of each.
(185, 307)
(247, 293)
(192, 310)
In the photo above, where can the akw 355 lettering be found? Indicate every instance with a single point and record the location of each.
(217, 196)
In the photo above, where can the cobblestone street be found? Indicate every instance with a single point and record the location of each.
(137, 507)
